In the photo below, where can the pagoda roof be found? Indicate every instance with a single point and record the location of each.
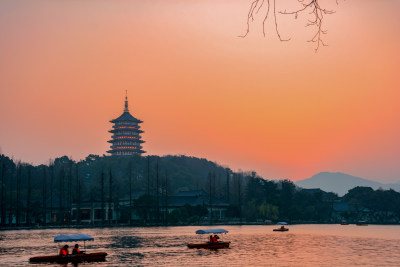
(116, 130)
(128, 147)
(113, 150)
(126, 116)
(126, 139)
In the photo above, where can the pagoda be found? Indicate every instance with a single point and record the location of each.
(126, 139)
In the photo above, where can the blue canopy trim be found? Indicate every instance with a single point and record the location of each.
(211, 231)
(73, 238)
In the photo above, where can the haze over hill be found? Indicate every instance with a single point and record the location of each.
(340, 183)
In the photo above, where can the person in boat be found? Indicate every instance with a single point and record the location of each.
(64, 251)
(282, 227)
(76, 250)
(215, 239)
(211, 239)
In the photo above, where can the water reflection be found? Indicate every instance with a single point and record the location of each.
(303, 245)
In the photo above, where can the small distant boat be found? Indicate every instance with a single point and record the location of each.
(344, 222)
(362, 223)
(74, 258)
(267, 222)
(210, 245)
(280, 229)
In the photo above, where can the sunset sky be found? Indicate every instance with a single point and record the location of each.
(252, 103)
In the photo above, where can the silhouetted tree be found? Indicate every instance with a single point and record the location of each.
(166, 199)
(19, 177)
(44, 194)
(110, 201)
(210, 201)
(60, 196)
(228, 177)
(69, 192)
(157, 196)
(102, 198)
(3, 202)
(28, 197)
(78, 197)
(11, 198)
(130, 192)
(51, 190)
(286, 198)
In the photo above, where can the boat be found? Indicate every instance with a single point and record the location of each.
(361, 223)
(344, 223)
(209, 245)
(267, 222)
(74, 258)
(280, 229)
(89, 257)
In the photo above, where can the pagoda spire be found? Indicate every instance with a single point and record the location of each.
(126, 101)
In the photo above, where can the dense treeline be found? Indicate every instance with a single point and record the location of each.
(27, 191)
(381, 206)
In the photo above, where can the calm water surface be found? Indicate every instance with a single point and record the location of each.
(303, 245)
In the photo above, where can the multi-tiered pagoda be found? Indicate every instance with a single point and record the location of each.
(126, 139)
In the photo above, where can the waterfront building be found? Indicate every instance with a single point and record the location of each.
(126, 134)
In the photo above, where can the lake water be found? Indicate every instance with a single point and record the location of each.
(303, 245)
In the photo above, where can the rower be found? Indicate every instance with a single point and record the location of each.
(64, 251)
(215, 239)
(76, 250)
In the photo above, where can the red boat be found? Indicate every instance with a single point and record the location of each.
(210, 245)
(81, 257)
(281, 230)
(90, 257)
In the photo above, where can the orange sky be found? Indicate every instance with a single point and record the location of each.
(250, 103)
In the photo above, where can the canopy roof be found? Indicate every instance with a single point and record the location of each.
(281, 223)
(211, 231)
(73, 238)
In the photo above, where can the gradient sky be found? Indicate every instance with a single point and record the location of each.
(251, 103)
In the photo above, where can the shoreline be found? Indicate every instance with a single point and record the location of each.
(13, 228)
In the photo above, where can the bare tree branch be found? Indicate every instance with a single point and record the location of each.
(276, 25)
(266, 16)
(250, 15)
(316, 11)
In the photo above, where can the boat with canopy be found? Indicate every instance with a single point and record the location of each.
(281, 229)
(81, 257)
(210, 245)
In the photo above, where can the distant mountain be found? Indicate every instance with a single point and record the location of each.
(340, 183)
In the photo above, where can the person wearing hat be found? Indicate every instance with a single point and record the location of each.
(64, 251)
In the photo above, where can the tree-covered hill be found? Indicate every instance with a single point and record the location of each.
(30, 193)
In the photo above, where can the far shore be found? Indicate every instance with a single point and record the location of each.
(89, 226)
